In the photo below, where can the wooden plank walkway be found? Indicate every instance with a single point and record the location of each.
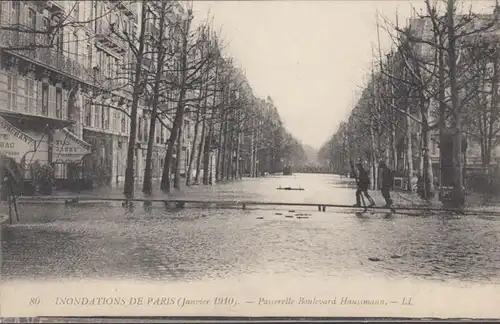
(240, 204)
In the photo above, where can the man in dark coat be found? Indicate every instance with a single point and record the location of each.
(363, 184)
(387, 183)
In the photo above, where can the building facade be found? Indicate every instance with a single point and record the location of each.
(63, 98)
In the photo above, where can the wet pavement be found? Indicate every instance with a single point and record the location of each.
(109, 241)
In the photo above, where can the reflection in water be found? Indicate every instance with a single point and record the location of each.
(152, 242)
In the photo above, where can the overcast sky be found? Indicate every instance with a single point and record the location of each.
(311, 57)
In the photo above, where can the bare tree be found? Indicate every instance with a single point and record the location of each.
(188, 80)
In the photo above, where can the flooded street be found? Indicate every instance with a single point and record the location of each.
(100, 241)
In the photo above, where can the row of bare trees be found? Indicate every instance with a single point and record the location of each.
(436, 89)
(176, 73)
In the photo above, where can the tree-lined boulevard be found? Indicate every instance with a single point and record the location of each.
(430, 107)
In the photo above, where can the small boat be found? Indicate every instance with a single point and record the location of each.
(289, 188)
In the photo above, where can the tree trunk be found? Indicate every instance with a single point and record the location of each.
(193, 148)
(409, 151)
(179, 113)
(442, 109)
(458, 181)
(219, 151)
(373, 158)
(230, 167)
(427, 173)
(201, 148)
(128, 188)
(177, 175)
(252, 160)
(493, 111)
(238, 171)
(224, 148)
(147, 186)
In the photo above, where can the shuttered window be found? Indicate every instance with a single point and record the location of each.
(59, 100)
(12, 91)
(29, 95)
(45, 99)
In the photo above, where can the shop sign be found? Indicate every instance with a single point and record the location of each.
(67, 148)
(13, 142)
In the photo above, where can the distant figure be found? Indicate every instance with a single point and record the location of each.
(363, 184)
(387, 183)
(414, 182)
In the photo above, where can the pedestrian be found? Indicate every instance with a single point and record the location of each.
(387, 183)
(363, 182)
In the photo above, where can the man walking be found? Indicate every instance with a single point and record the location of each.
(363, 181)
(387, 183)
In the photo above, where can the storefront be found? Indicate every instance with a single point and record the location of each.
(100, 162)
(14, 143)
(40, 145)
(68, 159)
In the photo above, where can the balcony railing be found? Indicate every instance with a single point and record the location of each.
(25, 45)
(107, 38)
(51, 5)
(21, 44)
(123, 6)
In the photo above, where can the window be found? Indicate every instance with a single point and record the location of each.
(157, 132)
(89, 55)
(12, 91)
(139, 129)
(123, 126)
(45, 99)
(162, 134)
(59, 114)
(125, 26)
(59, 40)
(29, 90)
(16, 7)
(32, 25)
(105, 117)
(97, 115)
(46, 26)
(76, 47)
(88, 112)
(146, 128)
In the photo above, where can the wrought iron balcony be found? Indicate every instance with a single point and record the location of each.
(26, 46)
(106, 37)
(52, 6)
(124, 6)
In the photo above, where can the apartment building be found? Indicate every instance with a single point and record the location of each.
(66, 104)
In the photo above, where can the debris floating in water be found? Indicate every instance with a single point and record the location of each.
(374, 259)
(395, 256)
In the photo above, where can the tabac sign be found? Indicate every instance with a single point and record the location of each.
(13, 142)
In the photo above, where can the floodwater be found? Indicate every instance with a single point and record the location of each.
(104, 242)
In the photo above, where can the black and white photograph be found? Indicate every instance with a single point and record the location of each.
(336, 158)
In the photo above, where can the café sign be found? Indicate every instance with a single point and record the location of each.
(67, 147)
(14, 143)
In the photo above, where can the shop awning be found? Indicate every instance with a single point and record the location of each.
(14, 143)
(35, 120)
(68, 147)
